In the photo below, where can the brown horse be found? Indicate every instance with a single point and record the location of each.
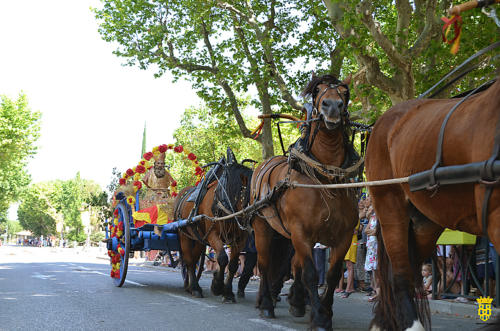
(309, 215)
(226, 191)
(404, 142)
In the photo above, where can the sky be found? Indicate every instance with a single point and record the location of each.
(93, 108)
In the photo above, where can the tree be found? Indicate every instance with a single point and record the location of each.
(37, 210)
(224, 49)
(396, 46)
(208, 135)
(74, 196)
(19, 130)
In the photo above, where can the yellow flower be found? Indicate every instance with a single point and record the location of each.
(155, 149)
(125, 175)
(130, 200)
(137, 176)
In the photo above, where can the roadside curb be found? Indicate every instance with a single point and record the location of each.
(439, 307)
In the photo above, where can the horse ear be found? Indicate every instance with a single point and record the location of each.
(347, 80)
(313, 74)
(230, 156)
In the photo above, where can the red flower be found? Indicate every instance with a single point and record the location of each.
(191, 156)
(174, 194)
(197, 182)
(147, 156)
(130, 172)
(178, 149)
(142, 163)
(140, 169)
(198, 171)
(120, 226)
(138, 184)
(162, 148)
(115, 212)
(174, 184)
(112, 274)
(123, 181)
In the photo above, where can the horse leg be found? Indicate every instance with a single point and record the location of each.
(228, 295)
(334, 274)
(263, 238)
(296, 296)
(396, 295)
(303, 255)
(217, 286)
(191, 252)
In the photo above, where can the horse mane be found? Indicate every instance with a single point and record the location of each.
(230, 182)
(315, 81)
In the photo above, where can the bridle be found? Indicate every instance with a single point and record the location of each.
(316, 98)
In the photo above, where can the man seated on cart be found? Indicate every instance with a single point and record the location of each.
(157, 180)
(156, 207)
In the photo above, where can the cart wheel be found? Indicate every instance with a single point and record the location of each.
(123, 216)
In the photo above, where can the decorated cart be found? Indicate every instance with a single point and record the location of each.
(143, 212)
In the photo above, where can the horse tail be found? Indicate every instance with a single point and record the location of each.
(386, 309)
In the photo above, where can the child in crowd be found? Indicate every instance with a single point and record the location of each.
(427, 279)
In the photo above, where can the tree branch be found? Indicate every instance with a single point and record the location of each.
(425, 37)
(236, 110)
(176, 63)
(208, 45)
(263, 37)
(404, 14)
(374, 75)
(365, 10)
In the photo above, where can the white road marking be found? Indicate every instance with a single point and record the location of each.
(44, 295)
(191, 300)
(107, 275)
(38, 275)
(270, 325)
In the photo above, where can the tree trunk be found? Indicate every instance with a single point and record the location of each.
(267, 133)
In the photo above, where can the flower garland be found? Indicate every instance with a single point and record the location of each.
(116, 228)
(146, 163)
(136, 173)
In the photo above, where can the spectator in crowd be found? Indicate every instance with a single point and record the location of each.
(210, 261)
(359, 266)
(480, 264)
(319, 255)
(350, 260)
(427, 279)
(371, 250)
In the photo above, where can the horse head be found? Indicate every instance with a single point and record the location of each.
(330, 98)
(233, 189)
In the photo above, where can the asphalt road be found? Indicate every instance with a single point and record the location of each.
(58, 289)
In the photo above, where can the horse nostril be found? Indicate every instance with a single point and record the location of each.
(327, 103)
(340, 104)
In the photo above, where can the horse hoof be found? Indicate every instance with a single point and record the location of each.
(319, 328)
(216, 289)
(267, 313)
(228, 300)
(297, 311)
(241, 294)
(197, 294)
